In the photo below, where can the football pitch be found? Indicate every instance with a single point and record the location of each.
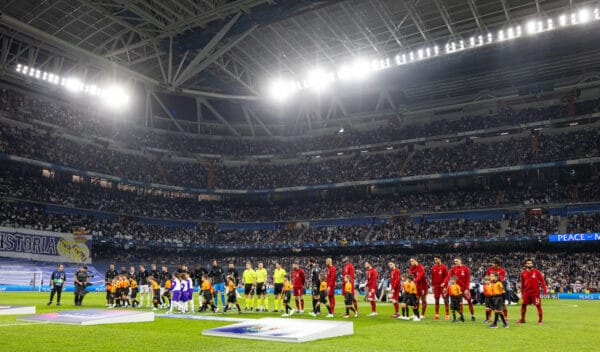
(568, 326)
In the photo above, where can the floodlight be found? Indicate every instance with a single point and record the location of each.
(597, 14)
(490, 37)
(403, 58)
(360, 69)
(480, 40)
(44, 76)
(550, 24)
(31, 71)
(341, 130)
(531, 28)
(74, 85)
(18, 68)
(562, 20)
(116, 96)
(420, 54)
(344, 73)
(540, 26)
(462, 44)
(318, 79)
(573, 18)
(453, 46)
(436, 50)
(397, 59)
(584, 15)
(428, 52)
(279, 90)
(411, 56)
(519, 31)
(501, 35)
(511, 33)
(472, 41)
(25, 69)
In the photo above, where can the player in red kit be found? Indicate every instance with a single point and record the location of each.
(298, 281)
(394, 288)
(463, 279)
(371, 287)
(531, 279)
(349, 270)
(331, 283)
(498, 269)
(418, 272)
(439, 272)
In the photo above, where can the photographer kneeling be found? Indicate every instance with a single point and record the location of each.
(81, 284)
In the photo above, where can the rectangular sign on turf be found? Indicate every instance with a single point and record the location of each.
(284, 330)
(16, 310)
(45, 245)
(92, 317)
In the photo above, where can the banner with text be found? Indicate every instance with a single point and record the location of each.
(45, 245)
(574, 237)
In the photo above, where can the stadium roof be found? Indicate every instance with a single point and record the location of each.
(230, 49)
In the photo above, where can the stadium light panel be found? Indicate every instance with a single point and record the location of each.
(519, 31)
(490, 38)
(436, 50)
(584, 15)
(562, 20)
(501, 35)
(31, 72)
(279, 90)
(531, 27)
(360, 69)
(420, 54)
(18, 69)
(511, 32)
(597, 14)
(428, 52)
(116, 96)
(318, 80)
(574, 18)
(343, 73)
(411, 56)
(472, 41)
(462, 44)
(397, 59)
(550, 24)
(74, 85)
(540, 26)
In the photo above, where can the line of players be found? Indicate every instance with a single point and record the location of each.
(452, 285)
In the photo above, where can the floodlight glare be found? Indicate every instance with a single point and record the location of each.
(597, 14)
(420, 54)
(74, 85)
(584, 15)
(318, 80)
(574, 18)
(550, 24)
(18, 68)
(428, 52)
(116, 97)
(360, 69)
(501, 35)
(519, 31)
(511, 33)
(490, 37)
(562, 20)
(397, 58)
(531, 27)
(472, 41)
(279, 90)
(343, 73)
(436, 50)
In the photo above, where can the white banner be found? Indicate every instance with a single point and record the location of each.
(45, 246)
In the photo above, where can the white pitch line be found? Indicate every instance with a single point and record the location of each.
(19, 324)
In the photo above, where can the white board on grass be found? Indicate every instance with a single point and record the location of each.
(91, 317)
(16, 310)
(284, 330)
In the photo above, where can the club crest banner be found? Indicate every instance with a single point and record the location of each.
(45, 245)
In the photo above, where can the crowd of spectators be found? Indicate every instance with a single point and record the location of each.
(467, 156)
(31, 216)
(30, 109)
(32, 186)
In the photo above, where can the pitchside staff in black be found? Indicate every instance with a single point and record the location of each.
(57, 282)
(81, 280)
(217, 276)
(233, 272)
(314, 271)
(111, 273)
(142, 281)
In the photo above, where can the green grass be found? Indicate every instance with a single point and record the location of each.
(568, 325)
